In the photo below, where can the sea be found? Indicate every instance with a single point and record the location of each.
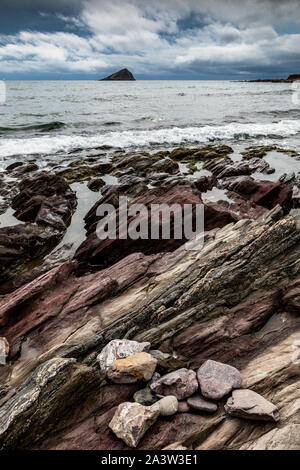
(49, 120)
(55, 123)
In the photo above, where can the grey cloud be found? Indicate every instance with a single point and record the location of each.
(159, 37)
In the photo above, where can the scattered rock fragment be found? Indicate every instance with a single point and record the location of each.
(199, 403)
(132, 420)
(119, 349)
(167, 406)
(183, 407)
(145, 397)
(181, 383)
(249, 404)
(140, 366)
(217, 379)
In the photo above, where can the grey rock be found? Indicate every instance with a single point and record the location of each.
(4, 350)
(251, 405)
(167, 406)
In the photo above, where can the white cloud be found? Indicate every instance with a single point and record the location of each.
(160, 37)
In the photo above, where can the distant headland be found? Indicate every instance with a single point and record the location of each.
(291, 78)
(123, 74)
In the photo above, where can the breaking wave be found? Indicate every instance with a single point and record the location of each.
(143, 138)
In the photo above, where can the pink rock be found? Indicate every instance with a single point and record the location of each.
(181, 383)
(199, 403)
(183, 407)
(217, 380)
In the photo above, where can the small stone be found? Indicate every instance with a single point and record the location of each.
(217, 379)
(145, 397)
(95, 184)
(167, 361)
(181, 383)
(168, 406)
(4, 350)
(199, 403)
(132, 420)
(251, 405)
(183, 407)
(140, 366)
(119, 349)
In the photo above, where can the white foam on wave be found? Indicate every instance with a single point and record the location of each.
(137, 138)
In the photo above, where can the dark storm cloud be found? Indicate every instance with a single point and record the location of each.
(156, 38)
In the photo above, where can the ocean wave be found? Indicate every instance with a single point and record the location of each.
(137, 138)
(47, 127)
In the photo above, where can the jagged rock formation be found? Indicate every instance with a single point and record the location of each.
(123, 74)
(235, 300)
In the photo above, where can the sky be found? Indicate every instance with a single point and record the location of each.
(154, 39)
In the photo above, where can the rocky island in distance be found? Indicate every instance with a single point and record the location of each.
(121, 75)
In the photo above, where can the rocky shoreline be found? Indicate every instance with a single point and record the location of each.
(231, 306)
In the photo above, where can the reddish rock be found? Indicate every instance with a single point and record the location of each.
(199, 403)
(182, 384)
(98, 254)
(263, 193)
(183, 407)
(217, 380)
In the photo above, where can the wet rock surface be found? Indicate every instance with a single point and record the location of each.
(46, 204)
